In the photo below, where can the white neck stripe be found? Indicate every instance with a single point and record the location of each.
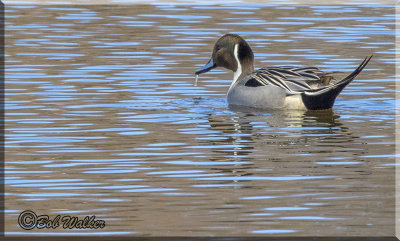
(238, 71)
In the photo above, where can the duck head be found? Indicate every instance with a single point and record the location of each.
(231, 52)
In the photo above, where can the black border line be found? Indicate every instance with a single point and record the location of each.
(111, 238)
(2, 126)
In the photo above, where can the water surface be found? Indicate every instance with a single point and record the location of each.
(103, 118)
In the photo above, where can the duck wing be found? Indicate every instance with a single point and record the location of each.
(292, 79)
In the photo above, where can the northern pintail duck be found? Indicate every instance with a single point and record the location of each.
(274, 87)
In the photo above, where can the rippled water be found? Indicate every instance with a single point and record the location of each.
(103, 118)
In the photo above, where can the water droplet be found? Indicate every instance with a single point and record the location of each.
(195, 81)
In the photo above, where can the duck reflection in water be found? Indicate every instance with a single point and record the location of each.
(250, 132)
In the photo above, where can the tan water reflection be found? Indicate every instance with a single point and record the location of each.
(103, 119)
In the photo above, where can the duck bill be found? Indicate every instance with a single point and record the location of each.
(209, 66)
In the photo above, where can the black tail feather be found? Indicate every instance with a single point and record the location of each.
(324, 98)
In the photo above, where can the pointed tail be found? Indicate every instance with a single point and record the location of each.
(324, 98)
